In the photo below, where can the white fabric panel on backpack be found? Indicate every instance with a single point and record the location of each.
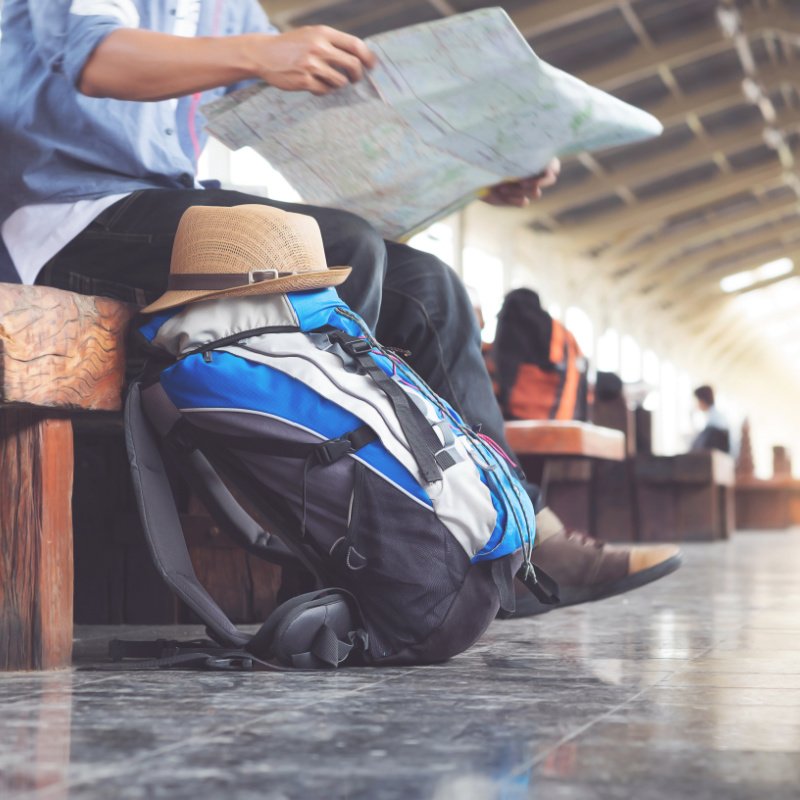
(462, 502)
(295, 355)
(211, 320)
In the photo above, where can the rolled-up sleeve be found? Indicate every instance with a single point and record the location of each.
(255, 19)
(67, 32)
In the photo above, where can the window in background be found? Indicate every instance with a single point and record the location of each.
(484, 273)
(577, 321)
(688, 422)
(438, 240)
(650, 368)
(631, 357)
(244, 169)
(608, 351)
(669, 410)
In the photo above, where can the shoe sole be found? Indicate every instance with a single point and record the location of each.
(530, 606)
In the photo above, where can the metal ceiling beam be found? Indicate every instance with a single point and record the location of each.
(546, 15)
(638, 282)
(670, 245)
(641, 62)
(728, 93)
(704, 303)
(605, 225)
(703, 298)
(711, 276)
(662, 165)
(706, 266)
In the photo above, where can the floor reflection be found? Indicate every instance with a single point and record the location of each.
(689, 687)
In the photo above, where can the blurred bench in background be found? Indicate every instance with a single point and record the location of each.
(767, 504)
(615, 489)
(562, 457)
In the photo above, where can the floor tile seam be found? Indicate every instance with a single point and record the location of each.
(135, 763)
(591, 723)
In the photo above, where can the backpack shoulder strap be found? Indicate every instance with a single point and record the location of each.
(162, 527)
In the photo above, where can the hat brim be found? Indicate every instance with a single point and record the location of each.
(301, 282)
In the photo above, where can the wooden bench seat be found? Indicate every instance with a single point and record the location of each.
(555, 438)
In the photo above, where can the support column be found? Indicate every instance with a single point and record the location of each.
(36, 574)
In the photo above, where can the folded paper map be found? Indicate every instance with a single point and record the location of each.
(452, 107)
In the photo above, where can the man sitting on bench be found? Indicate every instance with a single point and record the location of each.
(100, 120)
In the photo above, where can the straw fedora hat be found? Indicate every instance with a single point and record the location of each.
(244, 250)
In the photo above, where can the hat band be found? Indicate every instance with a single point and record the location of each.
(204, 281)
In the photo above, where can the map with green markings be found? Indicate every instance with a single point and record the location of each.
(452, 107)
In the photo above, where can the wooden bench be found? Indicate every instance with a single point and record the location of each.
(561, 456)
(62, 364)
(685, 497)
(59, 353)
(769, 504)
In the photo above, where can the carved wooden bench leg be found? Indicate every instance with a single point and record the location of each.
(36, 464)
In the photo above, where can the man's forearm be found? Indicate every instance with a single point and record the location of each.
(135, 64)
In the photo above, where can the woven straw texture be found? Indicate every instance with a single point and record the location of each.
(240, 239)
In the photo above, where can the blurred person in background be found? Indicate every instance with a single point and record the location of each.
(716, 433)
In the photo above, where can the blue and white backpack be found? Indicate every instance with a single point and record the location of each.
(413, 524)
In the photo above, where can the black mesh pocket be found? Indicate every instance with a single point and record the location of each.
(403, 564)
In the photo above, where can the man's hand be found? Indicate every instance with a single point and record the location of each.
(316, 59)
(520, 193)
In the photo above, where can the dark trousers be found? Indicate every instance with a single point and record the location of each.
(410, 299)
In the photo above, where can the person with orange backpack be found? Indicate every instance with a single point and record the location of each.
(540, 371)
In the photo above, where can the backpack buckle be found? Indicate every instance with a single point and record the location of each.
(353, 346)
(332, 450)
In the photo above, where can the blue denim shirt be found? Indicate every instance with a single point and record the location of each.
(58, 145)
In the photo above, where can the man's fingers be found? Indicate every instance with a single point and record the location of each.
(329, 76)
(511, 191)
(344, 61)
(548, 179)
(354, 46)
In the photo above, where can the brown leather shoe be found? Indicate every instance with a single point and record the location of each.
(587, 569)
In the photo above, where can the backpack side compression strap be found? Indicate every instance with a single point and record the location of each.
(162, 527)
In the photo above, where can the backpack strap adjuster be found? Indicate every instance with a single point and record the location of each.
(352, 345)
(332, 450)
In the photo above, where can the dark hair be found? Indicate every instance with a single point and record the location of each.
(705, 394)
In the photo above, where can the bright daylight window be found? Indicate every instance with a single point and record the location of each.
(244, 169)
(577, 321)
(608, 351)
(750, 277)
(436, 240)
(484, 273)
(773, 311)
(668, 416)
(631, 358)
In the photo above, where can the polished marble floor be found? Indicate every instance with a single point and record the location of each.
(688, 688)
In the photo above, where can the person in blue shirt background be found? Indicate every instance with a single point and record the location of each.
(101, 136)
